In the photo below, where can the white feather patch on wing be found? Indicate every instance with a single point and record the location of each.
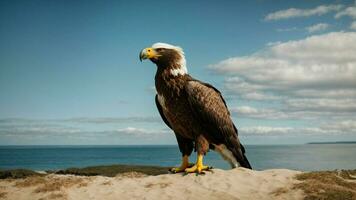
(227, 155)
(161, 101)
(182, 62)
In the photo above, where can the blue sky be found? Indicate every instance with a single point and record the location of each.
(70, 73)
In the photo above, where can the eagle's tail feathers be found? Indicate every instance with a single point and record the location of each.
(242, 159)
(234, 155)
(239, 153)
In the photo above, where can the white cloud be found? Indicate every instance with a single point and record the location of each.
(112, 120)
(265, 130)
(312, 78)
(83, 120)
(317, 27)
(295, 12)
(269, 131)
(349, 11)
(345, 127)
(333, 94)
(263, 113)
(322, 105)
(287, 29)
(82, 131)
(140, 131)
(259, 96)
(353, 25)
(315, 62)
(293, 112)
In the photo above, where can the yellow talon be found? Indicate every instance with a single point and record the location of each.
(185, 164)
(198, 167)
(177, 169)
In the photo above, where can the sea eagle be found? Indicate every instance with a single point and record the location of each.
(194, 110)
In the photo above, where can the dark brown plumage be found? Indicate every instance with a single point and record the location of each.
(194, 110)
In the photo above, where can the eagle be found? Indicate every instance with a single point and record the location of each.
(194, 110)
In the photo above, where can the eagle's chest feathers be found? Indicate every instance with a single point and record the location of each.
(172, 97)
(170, 86)
(177, 111)
(171, 94)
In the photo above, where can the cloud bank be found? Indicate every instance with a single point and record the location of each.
(308, 79)
(119, 131)
(297, 12)
(317, 27)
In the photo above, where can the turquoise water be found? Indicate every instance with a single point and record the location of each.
(299, 157)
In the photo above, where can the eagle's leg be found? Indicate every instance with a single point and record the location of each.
(202, 147)
(199, 167)
(186, 148)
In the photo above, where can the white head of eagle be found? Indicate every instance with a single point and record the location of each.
(164, 55)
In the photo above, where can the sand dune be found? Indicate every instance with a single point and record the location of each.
(219, 184)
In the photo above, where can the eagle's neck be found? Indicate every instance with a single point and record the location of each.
(169, 84)
(174, 62)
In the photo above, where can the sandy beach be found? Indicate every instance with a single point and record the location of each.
(239, 183)
(218, 184)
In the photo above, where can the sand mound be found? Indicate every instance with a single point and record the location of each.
(219, 184)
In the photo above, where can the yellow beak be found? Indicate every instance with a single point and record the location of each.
(148, 53)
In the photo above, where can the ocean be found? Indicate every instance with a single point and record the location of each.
(307, 157)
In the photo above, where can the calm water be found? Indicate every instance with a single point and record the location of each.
(299, 157)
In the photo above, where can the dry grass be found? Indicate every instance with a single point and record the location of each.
(130, 175)
(3, 194)
(31, 181)
(280, 191)
(51, 183)
(348, 174)
(113, 170)
(55, 196)
(60, 182)
(17, 173)
(160, 185)
(328, 185)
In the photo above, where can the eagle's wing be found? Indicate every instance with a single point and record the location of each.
(160, 110)
(209, 107)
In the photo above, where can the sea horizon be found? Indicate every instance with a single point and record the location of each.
(303, 157)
